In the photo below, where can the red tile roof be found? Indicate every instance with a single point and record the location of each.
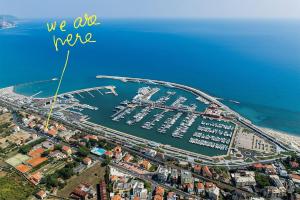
(159, 190)
(200, 185)
(36, 161)
(23, 168)
(36, 152)
(116, 197)
(258, 165)
(197, 168)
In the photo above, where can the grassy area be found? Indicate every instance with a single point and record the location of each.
(93, 175)
(5, 124)
(13, 186)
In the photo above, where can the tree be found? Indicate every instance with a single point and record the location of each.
(262, 180)
(51, 181)
(58, 147)
(45, 153)
(106, 161)
(83, 151)
(65, 173)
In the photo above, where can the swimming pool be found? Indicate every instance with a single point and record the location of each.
(98, 151)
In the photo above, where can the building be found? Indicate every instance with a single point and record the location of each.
(36, 152)
(206, 172)
(283, 173)
(83, 191)
(294, 164)
(128, 158)
(272, 192)
(36, 161)
(91, 137)
(244, 178)
(48, 145)
(159, 192)
(138, 191)
(77, 193)
(212, 191)
(174, 176)
(186, 177)
(171, 196)
(87, 161)
(117, 152)
(57, 154)
(121, 187)
(157, 197)
(257, 166)
(197, 169)
(150, 152)
(277, 182)
(101, 191)
(116, 197)
(162, 174)
(295, 178)
(67, 150)
(36, 178)
(52, 132)
(200, 188)
(145, 164)
(41, 194)
(269, 169)
(23, 168)
(190, 188)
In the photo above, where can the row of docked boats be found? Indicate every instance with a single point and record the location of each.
(184, 125)
(169, 123)
(209, 144)
(217, 125)
(211, 137)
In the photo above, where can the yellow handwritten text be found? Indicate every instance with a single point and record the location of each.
(70, 39)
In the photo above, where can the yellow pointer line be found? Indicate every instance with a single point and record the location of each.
(57, 90)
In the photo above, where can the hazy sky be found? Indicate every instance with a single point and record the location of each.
(153, 8)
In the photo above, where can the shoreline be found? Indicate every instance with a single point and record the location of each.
(285, 137)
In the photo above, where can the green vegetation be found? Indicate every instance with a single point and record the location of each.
(26, 148)
(153, 168)
(64, 173)
(159, 150)
(105, 145)
(262, 180)
(45, 153)
(147, 185)
(135, 159)
(106, 161)
(83, 151)
(13, 186)
(5, 129)
(142, 145)
(227, 158)
(197, 161)
(58, 147)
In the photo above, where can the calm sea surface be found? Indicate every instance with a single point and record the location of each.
(256, 63)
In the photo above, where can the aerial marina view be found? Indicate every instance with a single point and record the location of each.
(162, 114)
(156, 111)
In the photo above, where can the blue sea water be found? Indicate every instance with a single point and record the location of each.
(256, 63)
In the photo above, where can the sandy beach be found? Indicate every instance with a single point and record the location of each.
(286, 138)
